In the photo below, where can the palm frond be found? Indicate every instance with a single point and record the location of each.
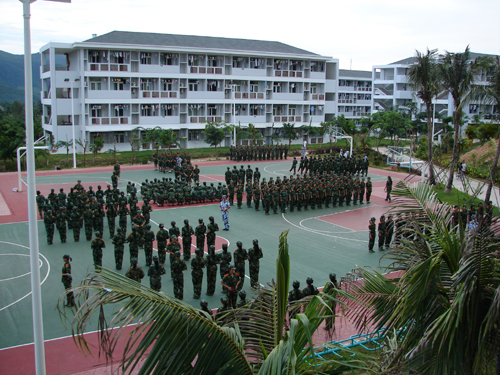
(173, 337)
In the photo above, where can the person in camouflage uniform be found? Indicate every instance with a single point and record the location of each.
(172, 248)
(225, 259)
(123, 212)
(212, 261)
(154, 272)
(76, 221)
(133, 243)
(187, 232)
(199, 232)
(226, 306)
(369, 189)
(381, 233)
(119, 242)
(149, 237)
(330, 289)
(49, 220)
(204, 307)
(97, 245)
(239, 195)
(197, 265)
(212, 227)
(254, 255)
(111, 215)
(40, 201)
(243, 299)
(231, 282)
(294, 295)
(310, 289)
(67, 280)
(161, 242)
(372, 234)
(60, 218)
(240, 255)
(135, 272)
(178, 266)
(88, 218)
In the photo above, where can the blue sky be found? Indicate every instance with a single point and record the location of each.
(365, 32)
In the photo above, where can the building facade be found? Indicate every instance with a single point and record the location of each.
(354, 94)
(123, 82)
(391, 89)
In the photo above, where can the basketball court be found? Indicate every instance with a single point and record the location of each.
(320, 241)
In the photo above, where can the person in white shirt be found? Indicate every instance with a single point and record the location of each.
(304, 147)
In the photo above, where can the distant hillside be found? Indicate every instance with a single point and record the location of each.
(12, 77)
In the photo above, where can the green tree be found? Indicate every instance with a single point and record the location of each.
(215, 132)
(491, 95)
(423, 78)
(391, 123)
(173, 338)
(96, 147)
(289, 133)
(67, 145)
(250, 132)
(84, 144)
(457, 72)
(445, 303)
(347, 125)
(12, 136)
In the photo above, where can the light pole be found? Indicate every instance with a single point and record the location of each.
(36, 292)
(73, 118)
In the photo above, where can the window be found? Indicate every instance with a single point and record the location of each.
(256, 109)
(194, 135)
(291, 110)
(169, 59)
(277, 87)
(120, 137)
(118, 83)
(314, 88)
(317, 66)
(148, 84)
(146, 58)
(96, 110)
(168, 110)
(256, 63)
(239, 62)
(254, 86)
(195, 109)
(149, 109)
(279, 110)
(95, 84)
(97, 56)
(167, 84)
(296, 64)
(212, 85)
(196, 60)
(293, 87)
(193, 84)
(119, 57)
(280, 64)
(214, 61)
(212, 110)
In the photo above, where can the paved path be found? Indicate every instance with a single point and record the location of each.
(468, 185)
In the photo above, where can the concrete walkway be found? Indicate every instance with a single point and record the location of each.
(468, 185)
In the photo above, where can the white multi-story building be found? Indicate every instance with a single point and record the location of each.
(121, 81)
(354, 94)
(391, 89)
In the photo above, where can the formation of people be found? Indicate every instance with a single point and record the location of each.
(392, 230)
(258, 152)
(313, 190)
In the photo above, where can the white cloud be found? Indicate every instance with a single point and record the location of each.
(368, 32)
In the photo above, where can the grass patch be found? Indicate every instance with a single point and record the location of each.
(457, 197)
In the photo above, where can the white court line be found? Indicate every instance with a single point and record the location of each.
(213, 178)
(265, 169)
(47, 274)
(24, 274)
(325, 231)
(322, 234)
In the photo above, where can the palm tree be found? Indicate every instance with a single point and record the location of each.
(175, 338)
(423, 78)
(456, 73)
(491, 94)
(445, 304)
